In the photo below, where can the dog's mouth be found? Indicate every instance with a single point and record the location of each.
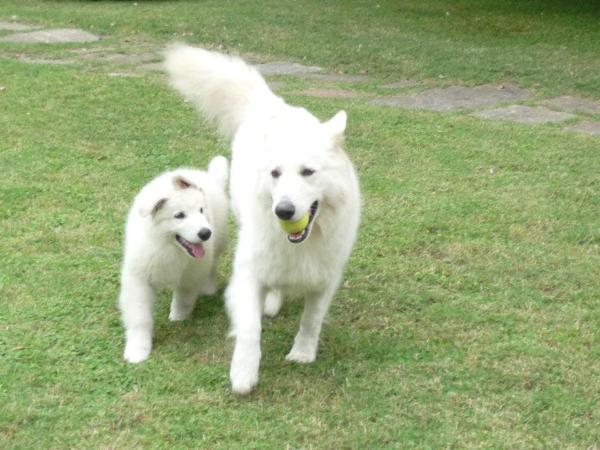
(300, 236)
(194, 250)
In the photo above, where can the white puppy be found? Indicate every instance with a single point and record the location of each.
(175, 231)
(285, 165)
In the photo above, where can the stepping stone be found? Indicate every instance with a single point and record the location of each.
(335, 77)
(330, 93)
(285, 68)
(573, 104)
(400, 84)
(591, 128)
(124, 58)
(456, 97)
(51, 36)
(122, 75)
(14, 26)
(526, 114)
(28, 60)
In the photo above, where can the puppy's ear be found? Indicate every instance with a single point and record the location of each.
(151, 208)
(336, 127)
(181, 183)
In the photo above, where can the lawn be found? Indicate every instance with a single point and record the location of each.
(469, 315)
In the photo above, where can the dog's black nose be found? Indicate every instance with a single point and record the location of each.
(285, 210)
(204, 234)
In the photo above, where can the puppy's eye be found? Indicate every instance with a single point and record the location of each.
(275, 173)
(180, 215)
(307, 172)
(201, 210)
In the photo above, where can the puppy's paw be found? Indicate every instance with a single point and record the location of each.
(136, 353)
(302, 354)
(138, 344)
(272, 304)
(177, 314)
(243, 380)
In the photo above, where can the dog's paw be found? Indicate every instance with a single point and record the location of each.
(243, 380)
(176, 315)
(272, 304)
(136, 353)
(302, 354)
(209, 288)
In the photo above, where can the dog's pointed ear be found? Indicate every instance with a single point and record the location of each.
(336, 127)
(180, 182)
(151, 208)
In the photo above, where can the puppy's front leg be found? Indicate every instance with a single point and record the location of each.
(136, 302)
(244, 300)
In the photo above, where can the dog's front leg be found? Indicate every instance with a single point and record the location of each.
(244, 300)
(306, 341)
(136, 301)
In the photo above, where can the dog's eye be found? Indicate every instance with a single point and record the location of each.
(180, 215)
(275, 173)
(307, 172)
(201, 210)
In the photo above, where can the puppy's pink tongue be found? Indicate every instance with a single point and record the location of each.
(197, 250)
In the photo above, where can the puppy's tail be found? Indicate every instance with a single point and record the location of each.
(223, 88)
(218, 170)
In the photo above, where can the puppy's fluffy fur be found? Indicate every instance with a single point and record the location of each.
(176, 229)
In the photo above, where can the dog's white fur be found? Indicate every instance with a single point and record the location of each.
(154, 259)
(271, 138)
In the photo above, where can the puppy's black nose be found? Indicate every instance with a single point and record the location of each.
(285, 210)
(204, 234)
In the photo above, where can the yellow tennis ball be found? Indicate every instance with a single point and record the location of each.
(294, 226)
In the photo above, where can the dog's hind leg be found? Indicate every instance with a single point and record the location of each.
(244, 305)
(182, 305)
(136, 302)
(273, 302)
(306, 341)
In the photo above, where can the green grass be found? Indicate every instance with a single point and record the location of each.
(470, 310)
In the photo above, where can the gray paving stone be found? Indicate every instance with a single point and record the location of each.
(29, 60)
(456, 97)
(51, 36)
(526, 114)
(15, 26)
(591, 128)
(573, 104)
(285, 68)
(400, 84)
(330, 93)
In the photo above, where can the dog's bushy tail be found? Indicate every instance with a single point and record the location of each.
(218, 169)
(223, 88)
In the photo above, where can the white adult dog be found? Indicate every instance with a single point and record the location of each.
(285, 163)
(175, 231)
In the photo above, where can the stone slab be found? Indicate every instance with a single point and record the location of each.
(573, 104)
(591, 128)
(15, 26)
(51, 36)
(285, 68)
(526, 114)
(28, 60)
(335, 77)
(400, 84)
(456, 97)
(330, 93)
